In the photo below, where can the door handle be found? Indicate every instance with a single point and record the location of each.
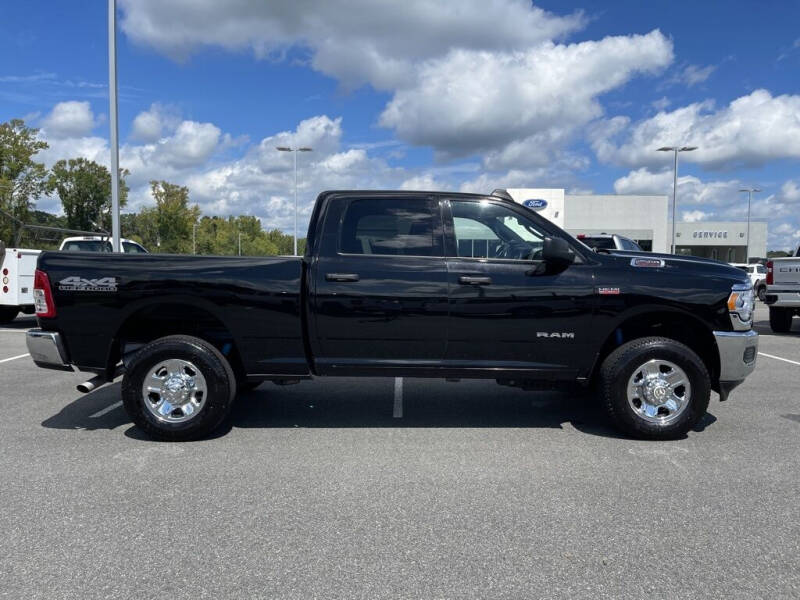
(343, 277)
(469, 280)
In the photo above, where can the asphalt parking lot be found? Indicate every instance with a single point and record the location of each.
(319, 491)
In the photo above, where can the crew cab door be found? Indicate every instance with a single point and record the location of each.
(380, 286)
(507, 310)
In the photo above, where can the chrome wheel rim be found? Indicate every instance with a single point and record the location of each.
(174, 391)
(659, 391)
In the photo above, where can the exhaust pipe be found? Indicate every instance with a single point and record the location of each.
(98, 380)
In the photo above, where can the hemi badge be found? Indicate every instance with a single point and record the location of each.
(608, 291)
(647, 262)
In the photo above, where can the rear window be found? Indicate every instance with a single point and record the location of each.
(391, 227)
(603, 243)
(131, 248)
(88, 246)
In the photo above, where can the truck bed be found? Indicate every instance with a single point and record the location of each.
(255, 298)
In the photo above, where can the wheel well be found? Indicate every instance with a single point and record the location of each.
(675, 326)
(160, 320)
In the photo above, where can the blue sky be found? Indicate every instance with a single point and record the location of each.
(470, 95)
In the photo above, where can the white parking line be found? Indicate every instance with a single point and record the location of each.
(14, 358)
(13, 331)
(792, 362)
(106, 410)
(398, 398)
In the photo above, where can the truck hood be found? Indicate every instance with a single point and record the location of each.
(691, 264)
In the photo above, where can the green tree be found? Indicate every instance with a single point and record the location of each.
(22, 179)
(172, 218)
(285, 242)
(84, 188)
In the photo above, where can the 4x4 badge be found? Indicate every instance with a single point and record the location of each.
(79, 284)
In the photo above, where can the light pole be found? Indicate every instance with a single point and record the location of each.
(295, 150)
(749, 191)
(194, 238)
(113, 123)
(240, 244)
(675, 149)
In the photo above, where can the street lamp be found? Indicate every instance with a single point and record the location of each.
(295, 150)
(113, 123)
(194, 238)
(749, 191)
(675, 149)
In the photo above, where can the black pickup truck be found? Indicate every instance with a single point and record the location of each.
(408, 284)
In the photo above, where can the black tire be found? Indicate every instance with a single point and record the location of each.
(219, 377)
(762, 293)
(620, 366)
(8, 314)
(780, 319)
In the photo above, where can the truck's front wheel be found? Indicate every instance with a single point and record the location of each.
(780, 319)
(655, 388)
(178, 388)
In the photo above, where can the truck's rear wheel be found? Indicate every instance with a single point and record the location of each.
(178, 388)
(655, 388)
(780, 319)
(8, 313)
(762, 292)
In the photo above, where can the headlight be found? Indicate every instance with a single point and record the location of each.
(740, 305)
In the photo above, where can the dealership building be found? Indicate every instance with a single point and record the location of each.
(646, 220)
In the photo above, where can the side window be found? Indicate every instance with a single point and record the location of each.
(761, 270)
(487, 230)
(131, 248)
(389, 226)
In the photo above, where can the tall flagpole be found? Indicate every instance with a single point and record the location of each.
(113, 122)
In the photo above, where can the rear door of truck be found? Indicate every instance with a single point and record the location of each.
(380, 285)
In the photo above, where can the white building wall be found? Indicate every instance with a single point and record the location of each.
(554, 207)
(637, 217)
(724, 234)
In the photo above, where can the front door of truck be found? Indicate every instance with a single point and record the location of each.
(380, 286)
(506, 311)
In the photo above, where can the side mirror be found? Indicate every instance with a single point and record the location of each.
(557, 253)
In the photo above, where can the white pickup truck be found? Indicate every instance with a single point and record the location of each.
(783, 291)
(17, 266)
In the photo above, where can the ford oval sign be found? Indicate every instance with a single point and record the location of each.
(535, 204)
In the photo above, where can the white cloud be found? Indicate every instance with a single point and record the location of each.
(661, 104)
(791, 191)
(425, 182)
(91, 147)
(69, 119)
(487, 77)
(692, 216)
(473, 100)
(751, 131)
(151, 124)
(357, 42)
(694, 74)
